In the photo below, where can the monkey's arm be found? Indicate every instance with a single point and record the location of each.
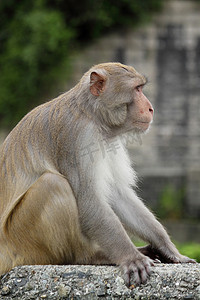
(99, 223)
(139, 220)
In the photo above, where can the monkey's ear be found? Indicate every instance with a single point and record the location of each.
(97, 83)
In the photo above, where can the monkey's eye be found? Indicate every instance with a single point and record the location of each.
(139, 88)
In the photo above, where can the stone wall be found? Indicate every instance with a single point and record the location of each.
(167, 50)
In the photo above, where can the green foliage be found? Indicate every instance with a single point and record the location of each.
(36, 41)
(171, 203)
(37, 37)
(191, 250)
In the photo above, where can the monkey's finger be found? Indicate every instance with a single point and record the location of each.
(188, 260)
(126, 277)
(131, 276)
(157, 261)
(193, 261)
(146, 270)
(144, 274)
(134, 270)
(150, 262)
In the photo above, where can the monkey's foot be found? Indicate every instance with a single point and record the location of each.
(157, 256)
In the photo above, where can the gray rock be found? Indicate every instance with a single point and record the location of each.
(181, 281)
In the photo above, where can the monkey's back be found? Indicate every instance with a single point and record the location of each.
(30, 149)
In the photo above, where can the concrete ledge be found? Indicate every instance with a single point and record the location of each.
(93, 282)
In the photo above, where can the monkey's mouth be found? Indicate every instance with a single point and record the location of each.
(142, 126)
(145, 123)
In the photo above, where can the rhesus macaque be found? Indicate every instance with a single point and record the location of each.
(65, 200)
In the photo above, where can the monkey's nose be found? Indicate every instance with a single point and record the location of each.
(151, 110)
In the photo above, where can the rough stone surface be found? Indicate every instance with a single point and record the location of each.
(105, 282)
(167, 51)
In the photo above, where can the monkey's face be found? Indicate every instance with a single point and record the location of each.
(121, 102)
(139, 111)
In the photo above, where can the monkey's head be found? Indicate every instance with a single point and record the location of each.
(117, 96)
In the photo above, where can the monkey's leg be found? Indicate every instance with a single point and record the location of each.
(44, 227)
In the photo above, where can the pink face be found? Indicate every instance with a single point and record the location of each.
(140, 110)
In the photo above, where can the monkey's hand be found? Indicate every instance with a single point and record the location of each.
(136, 269)
(158, 255)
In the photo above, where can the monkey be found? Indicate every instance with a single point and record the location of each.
(65, 196)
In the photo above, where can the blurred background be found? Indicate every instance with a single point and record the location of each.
(47, 45)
